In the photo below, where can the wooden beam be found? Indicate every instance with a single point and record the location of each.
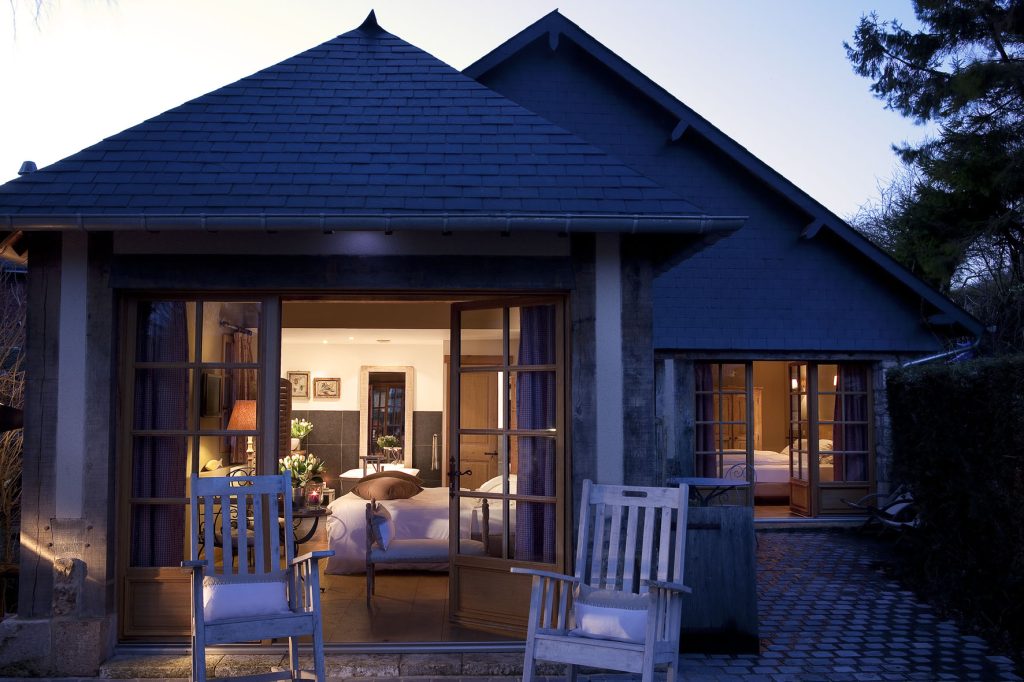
(812, 229)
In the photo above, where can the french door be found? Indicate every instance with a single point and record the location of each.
(830, 436)
(506, 418)
(194, 400)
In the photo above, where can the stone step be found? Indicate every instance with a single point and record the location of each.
(466, 666)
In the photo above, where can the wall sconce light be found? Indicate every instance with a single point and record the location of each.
(793, 384)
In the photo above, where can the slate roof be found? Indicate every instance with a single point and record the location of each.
(363, 124)
(556, 25)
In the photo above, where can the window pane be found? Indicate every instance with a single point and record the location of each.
(534, 400)
(162, 399)
(481, 336)
(159, 466)
(480, 405)
(158, 534)
(532, 334)
(534, 465)
(163, 331)
(534, 531)
(231, 331)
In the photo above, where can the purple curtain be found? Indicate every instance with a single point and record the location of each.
(705, 446)
(851, 406)
(159, 462)
(535, 409)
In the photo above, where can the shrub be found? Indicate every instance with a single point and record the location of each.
(958, 441)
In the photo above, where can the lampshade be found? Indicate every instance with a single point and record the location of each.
(243, 416)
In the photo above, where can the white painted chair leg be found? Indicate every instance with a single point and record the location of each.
(318, 654)
(673, 670)
(198, 661)
(293, 657)
(528, 665)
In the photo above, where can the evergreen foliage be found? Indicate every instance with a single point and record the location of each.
(958, 442)
(956, 216)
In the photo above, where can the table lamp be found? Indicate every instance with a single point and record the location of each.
(243, 418)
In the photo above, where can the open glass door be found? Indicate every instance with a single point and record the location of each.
(506, 472)
(799, 439)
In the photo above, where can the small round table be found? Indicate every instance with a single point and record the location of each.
(716, 487)
(298, 515)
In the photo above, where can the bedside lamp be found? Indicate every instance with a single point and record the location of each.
(243, 418)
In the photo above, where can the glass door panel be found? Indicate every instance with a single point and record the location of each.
(192, 407)
(507, 454)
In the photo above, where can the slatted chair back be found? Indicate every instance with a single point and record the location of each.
(631, 534)
(230, 505)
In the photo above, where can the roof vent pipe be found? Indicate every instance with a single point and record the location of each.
(27, 167)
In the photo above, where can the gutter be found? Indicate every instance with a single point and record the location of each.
(561, 223)
(939, 356)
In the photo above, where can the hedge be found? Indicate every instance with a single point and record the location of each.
(958, 442)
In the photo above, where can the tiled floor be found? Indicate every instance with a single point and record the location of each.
(827, 610)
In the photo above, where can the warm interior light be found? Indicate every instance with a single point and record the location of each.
(793, 384)
(243, 418)
(835, 380)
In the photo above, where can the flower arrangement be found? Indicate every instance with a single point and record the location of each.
(388, 441)
(304, 468)
(301, 428)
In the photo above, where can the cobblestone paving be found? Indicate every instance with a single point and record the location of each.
(828, 613)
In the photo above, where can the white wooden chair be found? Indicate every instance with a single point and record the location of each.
(622, 609)
(270, 592)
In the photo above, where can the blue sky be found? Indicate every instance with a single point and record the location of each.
(771, 74)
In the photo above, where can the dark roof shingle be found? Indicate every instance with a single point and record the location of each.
(364, 123)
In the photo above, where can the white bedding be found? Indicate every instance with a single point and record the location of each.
(422, 516)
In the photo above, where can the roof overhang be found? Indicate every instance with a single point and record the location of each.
(563, 223)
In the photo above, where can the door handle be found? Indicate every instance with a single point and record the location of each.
(467, 472)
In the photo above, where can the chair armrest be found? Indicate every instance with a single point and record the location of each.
(193, 565)
(665, 585)
(543, 574)
(312, 556)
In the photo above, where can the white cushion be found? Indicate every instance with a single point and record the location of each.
(225, 598)
(608, 614)
(383, 526)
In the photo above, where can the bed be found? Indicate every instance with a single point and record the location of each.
(424, 515)
(771, 469)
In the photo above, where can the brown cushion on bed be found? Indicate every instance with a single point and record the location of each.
(386, 488)
(394, 474)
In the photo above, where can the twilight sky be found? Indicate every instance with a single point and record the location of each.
(773, 75)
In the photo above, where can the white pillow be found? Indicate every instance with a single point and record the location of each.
(225, 598)
(494, 485)
(607, 614)
(383, 526)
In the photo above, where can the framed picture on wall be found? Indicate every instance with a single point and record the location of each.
(300, 384)
(326, 388)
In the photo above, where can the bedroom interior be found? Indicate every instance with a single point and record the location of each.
(392, 361)
(755, 420)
